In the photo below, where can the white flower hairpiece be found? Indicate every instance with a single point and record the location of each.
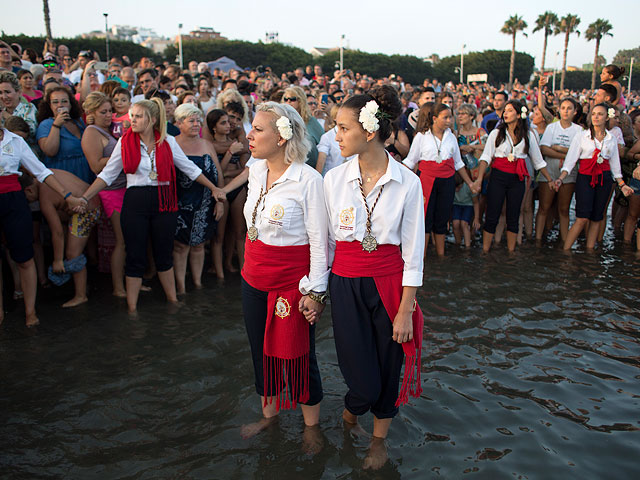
(523, 114)
(611, 112)
(284, 127)
(368, 117)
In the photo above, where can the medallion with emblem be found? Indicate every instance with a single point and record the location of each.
(283, 308)
(347, 216)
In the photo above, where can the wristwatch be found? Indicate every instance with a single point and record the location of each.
(320, 297)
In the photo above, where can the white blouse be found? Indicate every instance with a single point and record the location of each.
(505, 148)
(583, 146)
(292, 213)
(14, 151)
(398, 218)
(141, 177)
(425, 146)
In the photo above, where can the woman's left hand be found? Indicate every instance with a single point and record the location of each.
(627, 190)
(218, 194)
(218, 210)
(310, 309)
(403, 327)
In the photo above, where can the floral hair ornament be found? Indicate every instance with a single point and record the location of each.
(284, 127)
(611, 112)
(369, 116)
(523, 112)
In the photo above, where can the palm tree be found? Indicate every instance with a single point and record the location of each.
(512, 26)
(568, 25)
(47, 19)
(596, 31)
(548, 22)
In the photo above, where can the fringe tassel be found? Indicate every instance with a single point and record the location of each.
(411, 384)
(287, 380)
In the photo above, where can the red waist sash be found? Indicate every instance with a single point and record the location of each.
(518, 166)
(590, 166)
(278, 270)
(429, 171)
(385, 265)
(9, 183)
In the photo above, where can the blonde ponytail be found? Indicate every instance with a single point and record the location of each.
(155, 112)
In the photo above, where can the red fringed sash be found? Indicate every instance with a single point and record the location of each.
(429, 171)
(278, 270)
(385, 265)
(518, 166)
(131, 155)
(590, 166)
(9, 183)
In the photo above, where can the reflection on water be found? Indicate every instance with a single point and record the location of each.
(531, 371)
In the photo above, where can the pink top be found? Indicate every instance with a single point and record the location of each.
(38, 94)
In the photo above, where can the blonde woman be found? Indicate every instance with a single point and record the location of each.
(149, 159)
(285, 273)
(296, 97)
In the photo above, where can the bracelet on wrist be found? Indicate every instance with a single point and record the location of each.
(56, 126)
(85, 199)
(67, 195)
(320, 297)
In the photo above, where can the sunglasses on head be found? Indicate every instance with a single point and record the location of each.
(290, 99)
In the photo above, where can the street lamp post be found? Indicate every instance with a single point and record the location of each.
(462, 64)
(555, 67)
(106, 33)
(341, 54)
(180, 45)
(630, 73)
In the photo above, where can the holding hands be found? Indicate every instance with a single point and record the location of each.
(310, 309)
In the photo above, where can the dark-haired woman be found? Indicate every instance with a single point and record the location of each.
(233, 158)
(610, 74)
(376, 227)
(435, 152)
(554, 145)
(597, 151)
(507, 147)
(59, 134)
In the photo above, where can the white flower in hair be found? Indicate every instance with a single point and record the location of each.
(523, 113)
(368, 117)
(284, 127)
(611, 112)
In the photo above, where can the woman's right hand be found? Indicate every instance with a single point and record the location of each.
(236, 147)
(636, 173)
(61, 117)
(476, 187)
(58, 266)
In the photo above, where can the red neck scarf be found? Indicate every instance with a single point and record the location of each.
(278, 270)
(131, 155)
(385, 265)
(590, 166)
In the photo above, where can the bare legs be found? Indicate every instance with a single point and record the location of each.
(632, 218)
(117, 257)
(133, 285)
(195, 254)
(28, 280)
(74, 248)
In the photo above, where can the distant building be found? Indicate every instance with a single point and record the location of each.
(203, 33)
(271, 37)
(319, 51)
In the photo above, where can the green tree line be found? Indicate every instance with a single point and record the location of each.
(495, 63)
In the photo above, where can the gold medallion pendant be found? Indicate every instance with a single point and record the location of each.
(369, 243)
(511, 157)
(153, 175)
(252, 233)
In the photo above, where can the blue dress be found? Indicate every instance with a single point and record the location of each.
(70, 156)
(196, 224)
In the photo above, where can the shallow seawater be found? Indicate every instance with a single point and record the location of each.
(531, 370)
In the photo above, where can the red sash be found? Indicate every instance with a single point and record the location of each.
(429, 171)
(518, 166)
(131, 155)
(9, 183)
(385, 265)
(590, 166)
(278, 270)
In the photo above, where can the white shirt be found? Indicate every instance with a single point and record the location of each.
(141, 96)
(292, 213)
(554, 134)
(398, 218)
(141, 177)
(425, 146)
(583, 146)
(331, 149)
(14, 151)
(76, 76)
(505, 148)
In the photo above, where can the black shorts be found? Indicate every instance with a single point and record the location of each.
(15, 221)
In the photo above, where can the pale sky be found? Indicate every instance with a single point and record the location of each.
(411, 27)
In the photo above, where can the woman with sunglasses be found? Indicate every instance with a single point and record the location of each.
(296, 97)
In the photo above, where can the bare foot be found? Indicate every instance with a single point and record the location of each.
(231, 268)
(197, 286)
(377, 456)
(181, 291)
(31, 320)
(120, 293)
(252, 429)
(1, 315)
(351, 424)
(144, 288)
(133, 312)
(75, 301)
(312, 441)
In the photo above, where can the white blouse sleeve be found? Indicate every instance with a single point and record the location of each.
(31, 162)
(413, 157)
(534, 152)
(412, 235)
(489, 147)
(331, 238)
(114, 165)
(317, 225)
(573, 154)
(614, 161)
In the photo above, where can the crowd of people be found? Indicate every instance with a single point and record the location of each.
(308, 184)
